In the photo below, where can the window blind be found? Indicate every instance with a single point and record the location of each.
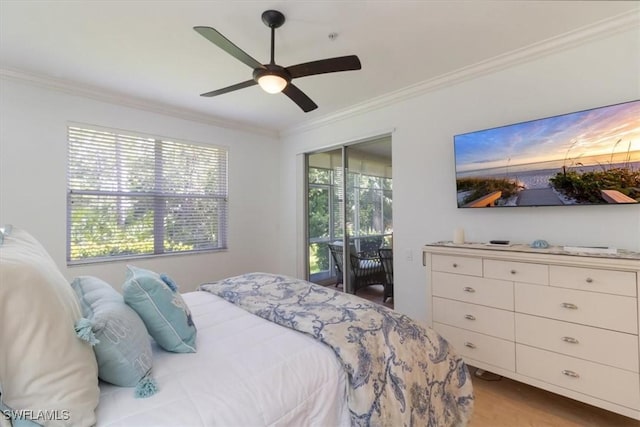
(131, 195)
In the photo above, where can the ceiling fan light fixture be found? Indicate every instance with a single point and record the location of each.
(272, 83)
(271, 77)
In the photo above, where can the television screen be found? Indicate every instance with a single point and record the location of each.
(589, 157)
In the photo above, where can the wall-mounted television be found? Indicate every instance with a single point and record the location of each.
(589, 157)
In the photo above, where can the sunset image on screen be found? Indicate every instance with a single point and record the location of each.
(587, 157)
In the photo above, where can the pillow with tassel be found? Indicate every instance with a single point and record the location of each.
(120, 340)
(156, 299)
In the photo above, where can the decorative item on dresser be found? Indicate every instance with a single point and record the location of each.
(564, 322)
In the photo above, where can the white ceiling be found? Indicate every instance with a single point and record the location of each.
(148, 50)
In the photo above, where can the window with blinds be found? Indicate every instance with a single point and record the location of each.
(132, 195)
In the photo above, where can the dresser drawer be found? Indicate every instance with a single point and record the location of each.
(457, 264)
(517, 271)
(483, 348)
(604, 382)
(590, 279)
(615, 312)
(597, 345)
(476, 290)
(478, 318)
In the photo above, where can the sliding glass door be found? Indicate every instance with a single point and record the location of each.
(349, 208)
(325, 217)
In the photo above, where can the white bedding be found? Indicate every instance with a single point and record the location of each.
(247, 372)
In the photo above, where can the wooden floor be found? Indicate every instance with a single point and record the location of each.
(507, 403)
(501, 402)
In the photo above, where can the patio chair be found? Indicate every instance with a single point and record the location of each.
(386, 258)
(336, 254)
(369, 245)
(367, 270)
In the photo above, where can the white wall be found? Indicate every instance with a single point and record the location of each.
(33, 158)
(597, 73)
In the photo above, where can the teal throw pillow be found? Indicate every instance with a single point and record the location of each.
(157, 300)
(121, 343)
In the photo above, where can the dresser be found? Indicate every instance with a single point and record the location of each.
(564, 322)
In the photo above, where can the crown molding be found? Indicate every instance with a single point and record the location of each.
(112, 97)
(617, 24)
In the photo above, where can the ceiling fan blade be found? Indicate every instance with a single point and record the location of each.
(299, 97)
(330, 65)
(223, 43)
(230, 88)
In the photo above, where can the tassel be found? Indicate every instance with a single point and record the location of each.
(169, 281)
(84, 331)
(146, 387)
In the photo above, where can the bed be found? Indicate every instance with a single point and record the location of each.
(247, 372)
(270, 350)
(283, 351)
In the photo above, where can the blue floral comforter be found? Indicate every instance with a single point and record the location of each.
(400, 373)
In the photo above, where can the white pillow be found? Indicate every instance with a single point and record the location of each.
(44, 367)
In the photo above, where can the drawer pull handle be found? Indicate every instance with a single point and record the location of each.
(455, 265)
(512, 272)
(571, 373)
(470, 317)
(589, 280)
(469, 344)
(469, 289)
(569, 306)
(570, 340)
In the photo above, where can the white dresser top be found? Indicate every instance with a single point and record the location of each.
(622, 258)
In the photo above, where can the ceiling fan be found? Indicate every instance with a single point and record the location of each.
(272, 77)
